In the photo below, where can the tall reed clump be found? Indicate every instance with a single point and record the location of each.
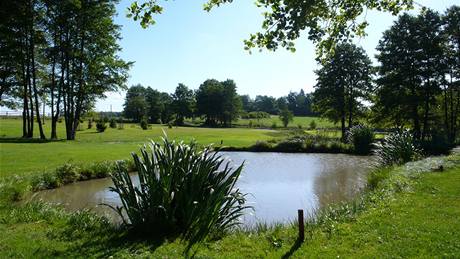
(362, 138)
(182, 192)
(397, 148)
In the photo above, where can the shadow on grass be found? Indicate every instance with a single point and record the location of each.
(88, 132)
(294, 248)
(28, 140)
(116, 241)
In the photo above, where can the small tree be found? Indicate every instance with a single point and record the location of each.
(113, 123)
(286, 116)
(100, 126)
(90, 123)
(144, 124)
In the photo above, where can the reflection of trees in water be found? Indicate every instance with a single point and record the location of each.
(339, 183)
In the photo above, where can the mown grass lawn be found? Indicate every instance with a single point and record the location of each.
(421, 222)
(303, 122)
(113, 144)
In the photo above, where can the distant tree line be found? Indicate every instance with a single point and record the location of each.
(217, 102)
(59, 53)
(300, 104)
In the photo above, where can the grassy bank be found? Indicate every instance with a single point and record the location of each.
(408, 211)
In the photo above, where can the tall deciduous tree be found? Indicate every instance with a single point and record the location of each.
(183, 103)
(94, 65)
(264, 103)
(343, 82)
(64, 49)
(451, 86)
(22, 39)
(411, 72)
(218, 102)
(136, 106)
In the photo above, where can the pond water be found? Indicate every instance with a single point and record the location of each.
(278, 183)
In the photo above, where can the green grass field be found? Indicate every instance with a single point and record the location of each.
(113, 144)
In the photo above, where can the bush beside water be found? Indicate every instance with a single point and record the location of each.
(397, 148)
(183, 192)
(362, 138)
(69, 173)
(298, 143)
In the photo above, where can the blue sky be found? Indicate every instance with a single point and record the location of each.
(188, 45)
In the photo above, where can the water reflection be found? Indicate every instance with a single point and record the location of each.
(278, 184)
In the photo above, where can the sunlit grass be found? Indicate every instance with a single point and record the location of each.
(18, 156)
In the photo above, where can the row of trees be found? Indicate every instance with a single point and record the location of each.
(59, 53)
(218, 102)
(300, 104)
(417, 83)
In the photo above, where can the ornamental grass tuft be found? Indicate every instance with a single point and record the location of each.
(182, 191)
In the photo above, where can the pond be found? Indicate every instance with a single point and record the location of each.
(278, 183)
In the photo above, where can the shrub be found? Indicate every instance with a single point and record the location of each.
(90, 123)
(437, 143)
(12, 189)
(299, 126)
(45, 181)
(286, 116)
(121, 125)
(312, 125)
(113, 123)
(293, 145)
(144, 125)
(250, 124)
(261, 146)
(96, 170)
(361, 137)
(397, 148)
(183, 191)
(67, 173)
(101, 126)
(255, 115)
(274, 125)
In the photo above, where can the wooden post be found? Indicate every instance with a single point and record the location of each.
(301, 225)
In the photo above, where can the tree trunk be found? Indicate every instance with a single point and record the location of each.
(25, 108)
(30, 121)
(53, 86)
(34, 78)
(350, 109)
